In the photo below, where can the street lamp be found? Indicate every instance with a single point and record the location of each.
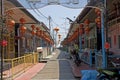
(59, 36)
(56, 29)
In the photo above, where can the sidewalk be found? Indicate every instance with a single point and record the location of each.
(31, 72)
(58, 67)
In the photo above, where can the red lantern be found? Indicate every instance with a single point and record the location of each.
(81, 25)
(98, 12)
(107, 45)
(37, 28)
(22, 20)
(10, 23)
(33, 32)
(33, 27)
(87, 29)
(98, 22)
(23, 29)
(3, 43)
(37, 33)
(86, 22)
(56, 29)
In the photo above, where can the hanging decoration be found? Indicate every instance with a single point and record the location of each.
(22, 20)
(107, 45)
(98, 22)
(37, 31)
(56, 29)
(3, 43)
(98, 19)
(81, 29)
(86, 22)
(10, 24)
(87, 28)
(33, 28)
(98, 12)
(22, 27)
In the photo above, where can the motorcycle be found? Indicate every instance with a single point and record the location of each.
(76, 58)
(108, 74)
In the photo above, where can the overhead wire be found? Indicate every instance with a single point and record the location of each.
(39, 11)
(36, 11)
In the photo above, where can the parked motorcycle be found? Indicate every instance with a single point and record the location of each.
(108, 74)
(76, 58)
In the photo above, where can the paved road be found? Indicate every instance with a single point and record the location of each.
(57, 68)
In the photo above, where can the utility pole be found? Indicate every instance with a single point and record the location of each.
(1, 47)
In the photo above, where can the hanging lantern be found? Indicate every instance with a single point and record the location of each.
(98, 12)
(87, 29)
(81, 30)
(37, 33)
(33, 32)
(10, 22)
(3, 43)
(23, 29)
(33, 27)
(86, 22)
(107, 45)
(41, 33)
(81, 25)
(37, 28)
(56, 29)
(98, 22)
(22, 20)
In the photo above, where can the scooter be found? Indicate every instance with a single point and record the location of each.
(77, 60)
(108, 74)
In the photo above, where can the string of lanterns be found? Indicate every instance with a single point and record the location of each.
(98, 19)
(40, 33)
(87, 28)
(22, 27)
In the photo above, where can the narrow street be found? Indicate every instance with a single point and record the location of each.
(59, 39)
(57, 68)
